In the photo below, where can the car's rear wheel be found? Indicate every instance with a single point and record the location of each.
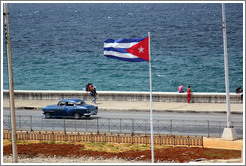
(47, 115)
(76, 115)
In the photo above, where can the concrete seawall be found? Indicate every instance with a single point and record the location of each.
(125, 96)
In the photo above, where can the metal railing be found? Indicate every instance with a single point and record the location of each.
(205, 128)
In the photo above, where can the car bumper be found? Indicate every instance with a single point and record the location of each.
(91, 113)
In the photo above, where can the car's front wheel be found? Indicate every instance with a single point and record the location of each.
(87, 116)
(47, 115)
(76, 115)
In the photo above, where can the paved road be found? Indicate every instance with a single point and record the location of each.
(145, 115)
(206, 124)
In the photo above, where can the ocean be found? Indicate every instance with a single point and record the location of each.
(59, 46)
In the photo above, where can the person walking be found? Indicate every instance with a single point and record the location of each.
(188, 94)
(94, 94)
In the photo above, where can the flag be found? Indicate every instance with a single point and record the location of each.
(134, 50)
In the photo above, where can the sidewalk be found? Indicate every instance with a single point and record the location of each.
(219, 143)
(138, 106)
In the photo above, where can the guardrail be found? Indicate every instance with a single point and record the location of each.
(206, 128)
(111, 138)
(125, 96)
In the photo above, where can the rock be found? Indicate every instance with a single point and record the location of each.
(201, 159)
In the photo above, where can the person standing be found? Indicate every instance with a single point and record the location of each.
(188, 94)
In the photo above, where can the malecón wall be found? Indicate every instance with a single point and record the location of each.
(125, 96)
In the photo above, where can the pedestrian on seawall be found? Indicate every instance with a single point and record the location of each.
(189, 93)
(180, 88)
(93, 92)
(239, 91)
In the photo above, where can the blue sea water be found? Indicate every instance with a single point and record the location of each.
(59, 46)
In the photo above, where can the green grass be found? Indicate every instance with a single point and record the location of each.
(220, 154)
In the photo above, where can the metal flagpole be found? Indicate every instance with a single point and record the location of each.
(226, 69)
(11, 87)
(151, 117)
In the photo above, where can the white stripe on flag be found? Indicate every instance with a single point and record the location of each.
(120, 45)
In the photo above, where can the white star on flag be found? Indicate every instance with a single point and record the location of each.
(141, 49)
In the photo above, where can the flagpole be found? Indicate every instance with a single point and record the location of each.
(151, 117)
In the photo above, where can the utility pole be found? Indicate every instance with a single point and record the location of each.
(11, 86)
(228, 108)
(229, 132)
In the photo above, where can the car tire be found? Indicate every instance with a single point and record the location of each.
(87, 116)
(76, 115)
(47, 115)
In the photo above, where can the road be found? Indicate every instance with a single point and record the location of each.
(205, 124)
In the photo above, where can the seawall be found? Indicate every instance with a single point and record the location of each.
(125, 96)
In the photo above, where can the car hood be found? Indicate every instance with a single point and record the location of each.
(49, 106)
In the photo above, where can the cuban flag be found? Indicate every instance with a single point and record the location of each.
(133, 50)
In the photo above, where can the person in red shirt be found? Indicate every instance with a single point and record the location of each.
(188, 94)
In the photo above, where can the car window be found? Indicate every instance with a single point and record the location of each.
(80, 103)
(70, 104)
(61, 103)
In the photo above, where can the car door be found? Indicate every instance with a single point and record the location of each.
(69, 109)
(60, 111)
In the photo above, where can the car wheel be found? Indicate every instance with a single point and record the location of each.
(87, 116)
(47, 115)
(76, 115)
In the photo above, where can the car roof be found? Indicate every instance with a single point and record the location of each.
(71, 100)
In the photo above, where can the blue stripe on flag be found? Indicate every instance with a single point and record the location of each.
(126, 59)
(124, 40)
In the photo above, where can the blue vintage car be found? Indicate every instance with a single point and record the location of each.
(70, 108)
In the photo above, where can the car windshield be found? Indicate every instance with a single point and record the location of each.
(80, 103)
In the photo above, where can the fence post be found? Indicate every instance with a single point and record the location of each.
(20, 121)
(75, 125)
(188, 141)
(220, 128)
(42, 122)
(202, 141)
(86, 126)
(171, 127)
(97, 127)
(208, 128)
(31, 122)
(53, 123)
(120, 125)
(64, 125)
(109, 125)
(9, 122)
(145, 131)
(132, 126)
(53, 136)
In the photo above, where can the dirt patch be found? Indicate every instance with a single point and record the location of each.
(171, 154)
